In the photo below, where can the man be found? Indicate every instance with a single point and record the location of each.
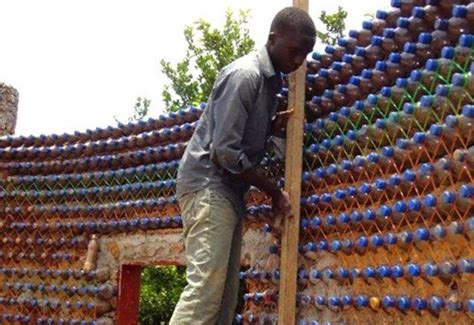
(219, 165)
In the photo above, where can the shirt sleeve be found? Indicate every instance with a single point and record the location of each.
(232, 101)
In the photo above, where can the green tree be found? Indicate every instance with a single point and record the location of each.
(208, 50)
(335, 25)
(160, 289)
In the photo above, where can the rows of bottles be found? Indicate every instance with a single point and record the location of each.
(386, 225)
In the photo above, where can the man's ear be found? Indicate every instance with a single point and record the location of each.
(271, 38)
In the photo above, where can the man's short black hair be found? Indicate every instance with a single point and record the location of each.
(295, 19)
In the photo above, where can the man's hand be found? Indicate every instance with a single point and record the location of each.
(281, 204)
(279, 123)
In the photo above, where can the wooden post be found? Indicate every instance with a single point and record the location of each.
(293, 167)
(128, 302)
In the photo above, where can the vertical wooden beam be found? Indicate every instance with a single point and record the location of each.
(128, 302)
(293, 167)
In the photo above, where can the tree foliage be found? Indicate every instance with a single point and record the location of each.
(160, 289)
(208, 51)
(334, 24)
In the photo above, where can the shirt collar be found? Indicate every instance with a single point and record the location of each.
(265, 63)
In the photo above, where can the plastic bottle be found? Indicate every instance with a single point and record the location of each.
(417, 23)
(379, 75)
(349, 43)
(335, 51)
(334, 74)
(440, 37)
(463, 51)
(374, 52)
(388, 42)
(432, 12)
(401, 33)
(458, 24)
(394, 67)
(424, 50)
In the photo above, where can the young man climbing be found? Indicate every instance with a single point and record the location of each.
(219, 165)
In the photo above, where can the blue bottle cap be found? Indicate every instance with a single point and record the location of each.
(381, 14)
(409, 48)
(359, 51)
(425, 38)
(451, 121)
(466, 191)
(316, 100)
(376, 240)
(347, 58)
(400, 206)
(408, 108)
(403, 303)
(351, 190)
(396, 3)
(441, 24)
(356, 216)
(405, 237)
(403, 22)
(415, 75)
(316, 56)
(370, 215)
(384, 271)
(388, 151)
(380, 123)
(359, 161)
(381, 66)
(366, 74)
(337, 66)
(352, 134)
(420, 303)
(413, 270)
(336, 245)
(353, 33)
(436, 303)
(394, 57)
(459, 11)
(314, 274)
(320, 300)
(323, 245)
(436, 129)
(430, 201)
(447, 53)
(372, 99)
(359, 105)
(323, 72)
(419, 137)
(347, 300)
(340, 194)
(380, 184)
(365, 188)
(466, 40)
(427, 100)
(469, 305)
(376, 40)
(401, 83)
(442, 90)
(432, 65)
(329, 49)
(345, 111)
(342, 42)
(458, 79)
(388, 33)
(430, 269)
(362, 242)
(367, 25)
(466, 265)
(328, 93)
(334, 301)
(320, 123)
(333, 116)
(468, 111)
(343, 219)
(390, 239)
(341, 88)
(385, 210)
(448, 197)
(369, 272)
(362, 301)
(386, 92)
(438, 231)
(422, 234)
(418, 12)
(374, 157)
(388, 302)
(409, 175)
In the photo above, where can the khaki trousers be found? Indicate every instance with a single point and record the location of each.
(213, 237)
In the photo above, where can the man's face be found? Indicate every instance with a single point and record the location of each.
(288, 49)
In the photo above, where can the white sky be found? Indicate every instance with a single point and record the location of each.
(77, 64)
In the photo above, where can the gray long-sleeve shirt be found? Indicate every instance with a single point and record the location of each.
(234, 128)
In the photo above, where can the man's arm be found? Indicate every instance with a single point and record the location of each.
(232, 100)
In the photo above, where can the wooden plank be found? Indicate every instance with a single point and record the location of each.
(293, 167)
